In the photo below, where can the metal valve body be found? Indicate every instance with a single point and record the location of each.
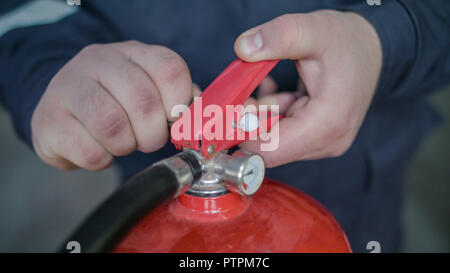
(217, 215)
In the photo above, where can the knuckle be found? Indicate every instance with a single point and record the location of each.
(129, 71)
(146, 98)
(92, 59)
(327, 19)
(285, 20)
(288, 26)
(110, 123)
(127, 48)
(105, 117)
(174, 68)
(93, 157)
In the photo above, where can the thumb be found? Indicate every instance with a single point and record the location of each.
(286, 37)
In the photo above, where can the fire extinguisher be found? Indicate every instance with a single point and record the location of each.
(205, 199)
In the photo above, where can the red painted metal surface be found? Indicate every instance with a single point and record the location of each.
(278, 218)
(231, 88)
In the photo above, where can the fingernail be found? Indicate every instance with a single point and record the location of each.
(252, 43)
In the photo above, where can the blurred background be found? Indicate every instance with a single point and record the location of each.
(40, 205)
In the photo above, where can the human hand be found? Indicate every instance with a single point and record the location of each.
(109, 100)
(338, 57)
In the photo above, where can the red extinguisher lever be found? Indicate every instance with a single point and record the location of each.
(230, 89)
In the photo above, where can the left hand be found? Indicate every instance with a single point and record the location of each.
(338, 57)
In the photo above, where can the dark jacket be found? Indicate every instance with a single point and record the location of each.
(362, 188)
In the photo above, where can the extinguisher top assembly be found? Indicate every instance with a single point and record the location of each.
(205, 199)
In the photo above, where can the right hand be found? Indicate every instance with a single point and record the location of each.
(109, 100)
(339, 59)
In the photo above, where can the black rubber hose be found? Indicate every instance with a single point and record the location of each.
(104, 228)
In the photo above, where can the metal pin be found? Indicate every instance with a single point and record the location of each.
(211, 149)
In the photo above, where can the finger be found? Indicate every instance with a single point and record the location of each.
(283, 100)
(291, 36)
(88, 154)
(293, 135)
(297, 106)
(167, 69)
(196, 91)
(301, 89)
(52, 159)
(102, 116)
(138, 95)
(266, 87)
(250, 101)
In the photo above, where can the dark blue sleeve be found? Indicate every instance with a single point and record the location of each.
(31, 56)
(415, 38)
